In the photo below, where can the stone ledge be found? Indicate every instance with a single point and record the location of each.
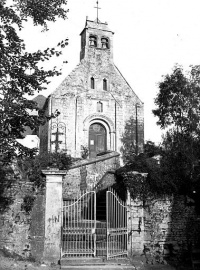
(94, 160)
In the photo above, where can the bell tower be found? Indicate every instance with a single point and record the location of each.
(96, 38)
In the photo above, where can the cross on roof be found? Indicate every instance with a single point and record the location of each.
(97, 11)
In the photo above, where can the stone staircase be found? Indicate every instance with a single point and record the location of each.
(96, 263)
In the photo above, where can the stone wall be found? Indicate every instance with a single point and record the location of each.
(21, 223)
(15, 223)
(160, 228)
(85, 175)
(163, 227)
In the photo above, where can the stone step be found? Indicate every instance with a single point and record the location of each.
(95, 263)
(99, 267)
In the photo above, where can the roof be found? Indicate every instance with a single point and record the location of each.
(96, 24)
(40, 100)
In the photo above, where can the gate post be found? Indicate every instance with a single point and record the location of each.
(53, 215)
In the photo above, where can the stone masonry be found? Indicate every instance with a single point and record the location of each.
(21, 224)
(94, 92)
(163, 227)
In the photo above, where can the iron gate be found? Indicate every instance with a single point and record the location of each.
(79, 225)
(84, 236)
(117, 233)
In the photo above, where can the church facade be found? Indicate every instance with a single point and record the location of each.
(99, 110)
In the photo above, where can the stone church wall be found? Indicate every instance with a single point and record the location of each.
(77, 104)
(75, 111)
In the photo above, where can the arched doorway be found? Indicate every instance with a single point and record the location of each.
(97, 139)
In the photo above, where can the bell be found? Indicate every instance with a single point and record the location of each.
(104, 46)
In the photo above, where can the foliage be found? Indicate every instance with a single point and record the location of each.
(131, 175)
(178, 101)
(128, 141)
(32, 167)
(151, 149)
(21, 72)
(84, 151)
(178, 109)
(28, 203)
(5, 174)
(132, 139)
(29, 169)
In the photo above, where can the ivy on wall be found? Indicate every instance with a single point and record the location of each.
(29, 169)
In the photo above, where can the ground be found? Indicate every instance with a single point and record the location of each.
(12, 264)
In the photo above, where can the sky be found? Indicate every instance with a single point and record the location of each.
(150, 37)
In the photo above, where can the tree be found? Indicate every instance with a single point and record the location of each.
(144, 163)
(21, 72)
(178, 101)
(178, 110)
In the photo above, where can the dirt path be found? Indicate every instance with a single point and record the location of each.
(12, 264)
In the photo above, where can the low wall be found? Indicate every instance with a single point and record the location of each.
(164, 227)
(86, 174)
(21, 224)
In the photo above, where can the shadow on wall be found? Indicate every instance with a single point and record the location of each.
(6, 180)
(132, 139)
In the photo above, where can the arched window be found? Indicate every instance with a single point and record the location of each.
(92, 83)
(104, 43)
(99, 106)
(105, 85)
(93, 41)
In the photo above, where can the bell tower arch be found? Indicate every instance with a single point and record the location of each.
(95, 37)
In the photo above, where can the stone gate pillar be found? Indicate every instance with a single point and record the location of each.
(136, 222)
(53, 212)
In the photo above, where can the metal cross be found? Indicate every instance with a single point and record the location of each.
(57, 142)
(97, 11)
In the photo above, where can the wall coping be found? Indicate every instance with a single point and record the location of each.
(86, 162)
(54, 171)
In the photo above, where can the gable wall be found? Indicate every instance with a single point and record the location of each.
(76, 101)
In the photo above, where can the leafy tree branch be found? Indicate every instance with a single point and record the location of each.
(21, 72)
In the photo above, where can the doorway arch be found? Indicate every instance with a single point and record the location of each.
(97, 139)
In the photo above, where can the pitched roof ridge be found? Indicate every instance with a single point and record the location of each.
(127, 83)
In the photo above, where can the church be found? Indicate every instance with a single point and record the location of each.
(99, 111)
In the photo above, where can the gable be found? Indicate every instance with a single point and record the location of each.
(78, 81)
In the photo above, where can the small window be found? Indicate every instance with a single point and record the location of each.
(99, 106)
(93, 41)
(105, 85)
(104, 43)
(92, 84)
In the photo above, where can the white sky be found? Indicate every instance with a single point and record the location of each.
(150, 37)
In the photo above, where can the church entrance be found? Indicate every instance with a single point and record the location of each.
(97, 139)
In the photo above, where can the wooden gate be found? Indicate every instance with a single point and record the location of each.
(84, 236)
